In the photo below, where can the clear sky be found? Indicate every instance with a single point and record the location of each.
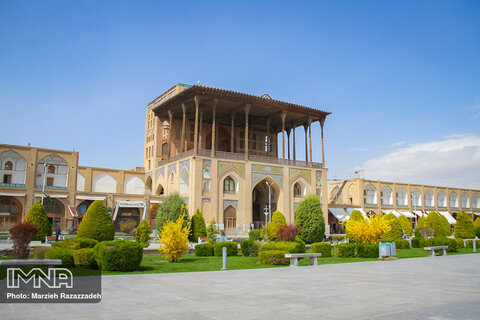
(401, 78)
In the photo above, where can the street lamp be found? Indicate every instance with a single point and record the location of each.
(269, 200)
(44, 178)
(415, 211)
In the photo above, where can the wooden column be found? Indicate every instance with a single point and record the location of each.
(214, 107)
(288, 142)
(322, 123)
(294, 151)
(283, 115)
(268, 137)
(195, 134)
(232, 132)
(182, 136)
(305, 127)
(310, 137)
(170, 117)
(247, 109)
(200, 130)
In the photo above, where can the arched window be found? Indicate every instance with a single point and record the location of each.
(51, 169)
(370, 194)
(228, 185)
(184, 182)
(441, 199)
(297, 190)
(53, 207)
(453, 199)
(165, 149)
(429, 200)
(166, 129)
(387, 197)
(402, 199)
(475, 201)
(416, 198)
(8, 165)
(465, 201)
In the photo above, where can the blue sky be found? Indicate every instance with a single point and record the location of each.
(400, 77)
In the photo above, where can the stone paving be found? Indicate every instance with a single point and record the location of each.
(421, 288)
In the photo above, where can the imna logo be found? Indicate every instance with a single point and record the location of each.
(54, 278)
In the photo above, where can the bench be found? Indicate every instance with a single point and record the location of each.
(31, 262)
(431, 250)
(295, 256)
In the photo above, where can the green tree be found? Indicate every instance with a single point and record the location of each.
(476, 223)
(142, 233)
(421, 223)
(309, 218)
(278, 221)
(38, 217)
(356, 215)
(406, 225)
(395, 232)
(212, 231)
(464, 228)
(171, 208)
(198, 227)
(97, 223)
(435, 221)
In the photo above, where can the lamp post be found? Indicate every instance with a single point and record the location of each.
(269, 200)
(415, 211)
(265, 211)
(44, 178)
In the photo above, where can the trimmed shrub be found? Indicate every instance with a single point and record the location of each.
(118, 255)
(245, 246)
(464, 228)
(253, 251)
(39, 252)
(460, 243)
(97, 223)
(142, 234)
(402, 244)
(439, 224)
(171, 208)
(127, 225)
(406, 225)
(309, 218)
(75, 243)
(421, 223)
(212, 232)
(418, 242)
(366, 250)
(255, 234)
(198, 227)
(84, 258)
(300, 246)
(469, 244)
(275, 257)
(22, 234)
(278, 221)
(64, 254)
(346, 250)
(37, 216)
(204, 250)
(476, 224)
(395, 231)
(287, 233)
(232, 248)
(297, 246)
(442, 241)
(325, 248)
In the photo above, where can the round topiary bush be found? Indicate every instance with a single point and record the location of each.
(460, 243)
(278, 221)
(275, 257)
(38, 217)
(142, 234)
(402, 244)
(118, 255)
(395, 231)
(75, 243)
(418, 242)
(309, 218)
(232, 248)
(84, 258)
(64, 254)
(97, 223)
(325, 248)
(476, 224)
(198, 229)
(442, 241)
(406, 225)
(245, 247)
(464, 228)
(204, 250)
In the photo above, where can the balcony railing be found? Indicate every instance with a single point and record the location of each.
(51, 187)
(12, 185)
(241, 157)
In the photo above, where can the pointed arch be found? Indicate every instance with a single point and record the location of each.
(453, 200)
(441, 199)
(148, 185)
(333, 193)
(104, 182)
(475, 201)
(429, 199)
(299, 187)
(402, 198)
(416, 198)
(370, 195)
(465, 201)
(230, 218)
(80, 182)
(160, 191)
(184, 181)
(18, 161)
(260, 192)
(134, 185)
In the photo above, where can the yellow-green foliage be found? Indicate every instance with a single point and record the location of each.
(368, 231)
(174, 238)
(142, 233)
(37, 216)
(395, 229)
(421, 224)
(476, 223)
(97, 223)
(464, 227)
(356, 215)
(405, 224)
(278, 221)
(439, 224)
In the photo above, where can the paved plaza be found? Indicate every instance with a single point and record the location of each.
(421, 288)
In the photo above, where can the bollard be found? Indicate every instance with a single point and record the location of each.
(475, 244)
(224, 255)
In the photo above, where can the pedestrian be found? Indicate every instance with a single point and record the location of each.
(58, 231)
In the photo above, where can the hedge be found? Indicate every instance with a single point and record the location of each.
(64, 254)
(253, 251)
(402, 244)
(39, 252)
(245, 247)
(75, 243)
(118, 255)
(204, 250)
(255, 234)
(325, 248)
(232, 248)
(460, 243)
(366, 250)
(346, 250)
(469, 244)
(276, 257)
(442, 241)
(297, 246)
(97, 223)
(84, 258)
(418, 242)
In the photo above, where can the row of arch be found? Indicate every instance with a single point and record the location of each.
(106, 183)
(428, 198)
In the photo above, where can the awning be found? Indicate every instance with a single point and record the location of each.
(395, 213)
(339, 213)
(350, 210)
(155, 201)
(73, 211)
(131, 204)
(477, 213)
(418, 213)
(407, 214)
(446, 214)
(58, 196)
(12, 194)
(90, 198)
